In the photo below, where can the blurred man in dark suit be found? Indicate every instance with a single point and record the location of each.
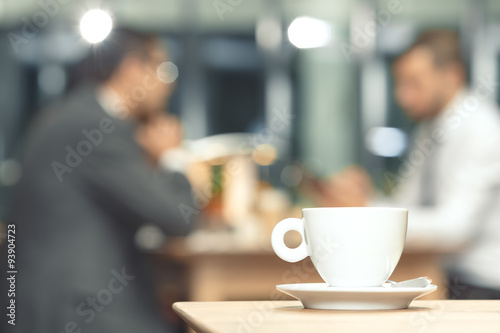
(97, 166)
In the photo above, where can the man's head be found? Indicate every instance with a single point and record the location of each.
(127, 61)
(429, 74)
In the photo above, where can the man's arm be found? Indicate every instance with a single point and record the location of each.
(469, 190)
(119, 176)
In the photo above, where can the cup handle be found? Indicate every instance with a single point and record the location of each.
(278, 243)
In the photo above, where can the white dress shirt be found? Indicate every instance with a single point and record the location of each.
(450, 182)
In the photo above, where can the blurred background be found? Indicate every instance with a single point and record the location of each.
(307, 86)
(240, 64)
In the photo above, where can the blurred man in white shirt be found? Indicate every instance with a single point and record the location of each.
(450, 180)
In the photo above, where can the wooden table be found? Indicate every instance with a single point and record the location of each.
(289, 316)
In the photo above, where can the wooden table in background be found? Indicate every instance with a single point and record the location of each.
(289, 316)
(251, 273)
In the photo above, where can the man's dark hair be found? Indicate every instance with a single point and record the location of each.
(104, 58)
(443, 44)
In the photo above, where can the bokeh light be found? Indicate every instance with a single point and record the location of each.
(96, 25)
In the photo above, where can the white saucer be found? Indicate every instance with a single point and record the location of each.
(321, 296)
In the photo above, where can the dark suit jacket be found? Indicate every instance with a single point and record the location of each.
(86, 188)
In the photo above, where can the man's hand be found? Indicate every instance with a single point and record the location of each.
(349, 188)
(159, 135)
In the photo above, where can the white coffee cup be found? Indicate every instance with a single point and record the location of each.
(349, 246)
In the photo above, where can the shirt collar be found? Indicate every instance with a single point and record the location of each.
(111, 102)
(452, 106)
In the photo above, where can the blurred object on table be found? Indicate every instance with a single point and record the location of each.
(272, 206)
(228, 189)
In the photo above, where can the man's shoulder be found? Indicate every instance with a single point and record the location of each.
(73, 119)
(76, 106)
(79, 104)
(485, 117)
(471, 114)
(77, 111)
